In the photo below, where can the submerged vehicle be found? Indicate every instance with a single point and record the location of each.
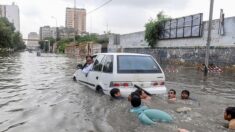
(123, 71)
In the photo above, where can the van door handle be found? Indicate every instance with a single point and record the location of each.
(97, 78)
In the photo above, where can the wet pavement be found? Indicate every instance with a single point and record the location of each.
(37, 94)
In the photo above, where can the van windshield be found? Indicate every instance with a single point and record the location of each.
(137, 64)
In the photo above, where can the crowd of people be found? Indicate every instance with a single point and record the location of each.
(150, 116)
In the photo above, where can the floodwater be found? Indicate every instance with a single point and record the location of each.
(37, 94)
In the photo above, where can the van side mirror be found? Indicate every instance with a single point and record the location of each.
(79, 66)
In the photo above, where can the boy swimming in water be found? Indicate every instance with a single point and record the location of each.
(144, 96)
(148, 116)
(172, 95)
(115, 93)
(229, 115)
(185, 94)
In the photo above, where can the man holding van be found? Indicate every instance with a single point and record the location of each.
(88, 66)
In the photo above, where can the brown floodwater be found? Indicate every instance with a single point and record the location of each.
(37, 94)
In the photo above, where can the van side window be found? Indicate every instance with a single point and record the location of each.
(98, 63)
(108, 64)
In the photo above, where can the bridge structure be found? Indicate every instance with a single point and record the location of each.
(31, 39)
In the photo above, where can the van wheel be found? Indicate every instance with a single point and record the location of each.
(99, 90)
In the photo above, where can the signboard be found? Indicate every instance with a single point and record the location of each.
(184, 27)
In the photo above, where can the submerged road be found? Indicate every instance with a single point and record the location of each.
(37, 94)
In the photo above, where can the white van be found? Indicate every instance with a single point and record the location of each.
(124, 71)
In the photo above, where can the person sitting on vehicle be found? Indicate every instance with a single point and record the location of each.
(88, 66)
(185, 94)
(87, 58)
(172, 95)
(229, 115)
(115, 93)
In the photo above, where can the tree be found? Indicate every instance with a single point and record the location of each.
(5, 34)
(9, 38)
(18, 42)
(154, 28)
(62, 44)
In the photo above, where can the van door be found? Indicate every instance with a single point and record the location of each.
(93, 76)
(107, 73)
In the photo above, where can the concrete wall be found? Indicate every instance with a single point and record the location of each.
(82, 50)
(190, 50)
(134, 40)
(220, 56)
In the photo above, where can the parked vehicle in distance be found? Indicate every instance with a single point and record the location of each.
(123, 71)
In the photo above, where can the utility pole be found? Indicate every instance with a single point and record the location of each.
(74, 25)
(56, 31)
(208, 38)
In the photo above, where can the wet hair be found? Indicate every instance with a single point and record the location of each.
(138, 91)
(114, 91)
(88, 56)
(230, 111)
(186, 92)
(173, 91)
(135, 100)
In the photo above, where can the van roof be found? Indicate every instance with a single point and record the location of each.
(122, 54)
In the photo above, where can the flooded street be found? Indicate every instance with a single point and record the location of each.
(37, 94)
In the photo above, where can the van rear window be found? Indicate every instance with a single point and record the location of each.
(137, 64)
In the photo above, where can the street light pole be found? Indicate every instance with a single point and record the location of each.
(55, 20)
(56, 31)
(208, 37)
(74, 25)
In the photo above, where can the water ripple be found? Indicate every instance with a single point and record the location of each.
(13, 126)
(7, 103)
(16, 110)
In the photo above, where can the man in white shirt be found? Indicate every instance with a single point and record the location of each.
(88, 66)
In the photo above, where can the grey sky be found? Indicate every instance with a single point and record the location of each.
(119, 16)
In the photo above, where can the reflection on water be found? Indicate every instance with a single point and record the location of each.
(37, 94)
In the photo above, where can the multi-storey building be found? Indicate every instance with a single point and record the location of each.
(64, 32)
(76, 18)
(32, 42)
(45, 32)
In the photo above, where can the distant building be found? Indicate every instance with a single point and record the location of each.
(65, 33)
(12, 13)
(77, 20)
(54, 32)
(47, 31)
(32, 43)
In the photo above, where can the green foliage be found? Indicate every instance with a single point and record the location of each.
(153, 29)
(44, 44)
(103, 41)
(18, 42)
(86, 38)
(79, 39)
(9, 38)
(62, 44)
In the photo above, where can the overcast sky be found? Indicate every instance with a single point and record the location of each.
(118, 16)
